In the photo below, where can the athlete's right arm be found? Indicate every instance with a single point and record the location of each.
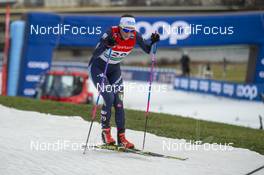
(105, 43)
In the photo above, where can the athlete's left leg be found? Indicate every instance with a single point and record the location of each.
(115, 79)
(117, 82)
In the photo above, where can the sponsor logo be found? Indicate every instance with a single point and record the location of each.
(180, 30)
(216, 87)
(103, 112)
(193, 84)
(204, 86)
(32, 78)
(247, 91)
(29, 92)
(184, 83)
(123, 47)
(228, 89)
(163, 25)
(38, 65)
(262, 61)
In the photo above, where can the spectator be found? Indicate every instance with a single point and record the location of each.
(185, 64)
(207, 72)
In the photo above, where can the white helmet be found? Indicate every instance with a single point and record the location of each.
(127, 21)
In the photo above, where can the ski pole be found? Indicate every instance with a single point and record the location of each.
(97, 100)
(153, 59)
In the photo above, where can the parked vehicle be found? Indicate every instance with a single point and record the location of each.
(71, 87)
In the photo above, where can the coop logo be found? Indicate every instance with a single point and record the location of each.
(181, 30)
(38, 65)
(172, 36)
(247, 91)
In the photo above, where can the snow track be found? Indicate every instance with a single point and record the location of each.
(22, 131)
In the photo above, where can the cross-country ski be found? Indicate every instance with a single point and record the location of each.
(132, 150)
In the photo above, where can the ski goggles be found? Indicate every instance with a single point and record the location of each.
(128, 30)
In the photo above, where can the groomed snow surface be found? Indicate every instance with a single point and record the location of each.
(34, 143)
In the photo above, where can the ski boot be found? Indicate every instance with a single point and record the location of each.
(122, 141)
(107, 137)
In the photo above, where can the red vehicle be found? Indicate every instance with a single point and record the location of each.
(71, 87)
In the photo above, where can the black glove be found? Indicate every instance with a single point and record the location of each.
(155, 37)
(111, 41)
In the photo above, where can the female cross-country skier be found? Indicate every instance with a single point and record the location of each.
(122, 40)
